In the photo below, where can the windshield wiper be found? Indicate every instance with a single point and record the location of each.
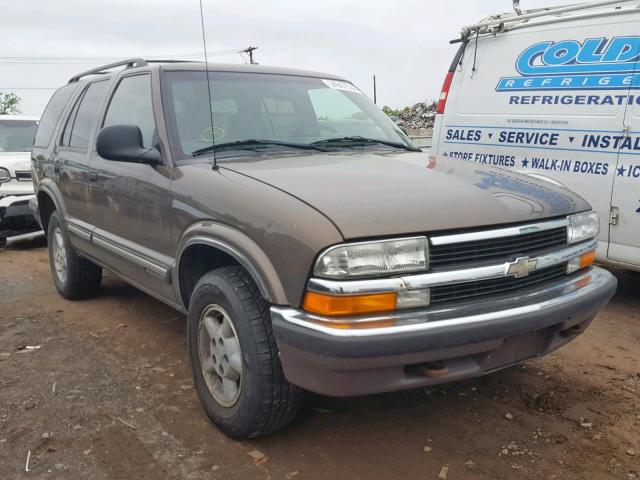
(249, 143)
(359, 141)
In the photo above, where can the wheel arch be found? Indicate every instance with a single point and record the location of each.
(47, 204)
(207, 245)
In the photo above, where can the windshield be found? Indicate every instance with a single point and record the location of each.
(17, 135)
(284, 109)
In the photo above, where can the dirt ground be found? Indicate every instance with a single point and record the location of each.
(108, 395)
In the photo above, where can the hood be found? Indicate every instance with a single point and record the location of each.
(13, 161)
(381, 194)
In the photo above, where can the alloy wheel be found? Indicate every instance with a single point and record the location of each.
(220, 355)
(59, 253)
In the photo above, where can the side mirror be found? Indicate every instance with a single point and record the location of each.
(123, 143)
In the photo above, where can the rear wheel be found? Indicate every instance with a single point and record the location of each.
(75, 277)
(234, 356)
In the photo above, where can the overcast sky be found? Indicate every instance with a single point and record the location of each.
(405, 43)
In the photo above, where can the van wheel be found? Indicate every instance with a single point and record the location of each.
(75, 277)
(234, 356)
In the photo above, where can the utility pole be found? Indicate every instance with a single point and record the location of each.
(375, 93)
(250, 50)
(516, 7)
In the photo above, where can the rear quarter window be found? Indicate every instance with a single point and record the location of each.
(84, 116)
(52, 114)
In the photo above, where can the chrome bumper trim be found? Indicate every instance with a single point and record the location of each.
(424, 280)
(498, 233)
(538, 301)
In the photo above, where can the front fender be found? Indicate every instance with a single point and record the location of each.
(240, 247)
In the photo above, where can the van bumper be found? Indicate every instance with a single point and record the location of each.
(428, 347)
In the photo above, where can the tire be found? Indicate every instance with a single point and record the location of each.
(264, 401)
(75, 277)
(3, 241)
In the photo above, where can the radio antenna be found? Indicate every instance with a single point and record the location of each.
(206, 66)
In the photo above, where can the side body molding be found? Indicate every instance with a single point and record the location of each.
(239, 246)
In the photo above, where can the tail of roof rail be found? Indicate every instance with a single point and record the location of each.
(128, 63)
(173, 60)
(467, 31)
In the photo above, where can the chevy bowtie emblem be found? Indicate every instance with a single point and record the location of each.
(522, 267)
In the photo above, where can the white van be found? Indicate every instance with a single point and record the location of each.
(555, 93)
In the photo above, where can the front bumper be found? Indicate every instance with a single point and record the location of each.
(16, 217)
(427, 347)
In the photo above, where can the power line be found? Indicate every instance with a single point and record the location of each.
(191, 54)
(29, 88)
(54, 63)
(83, 60)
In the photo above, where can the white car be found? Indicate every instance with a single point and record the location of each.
(16, 187)
(555, 93)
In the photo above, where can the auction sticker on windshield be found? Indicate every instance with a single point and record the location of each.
(341, 85)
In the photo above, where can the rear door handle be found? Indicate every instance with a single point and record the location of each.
(93, 176)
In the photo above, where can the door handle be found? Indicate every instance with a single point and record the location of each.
(93, 176)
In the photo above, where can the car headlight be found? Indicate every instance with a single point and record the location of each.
(384, 257)
(5, 176)
(583, 226)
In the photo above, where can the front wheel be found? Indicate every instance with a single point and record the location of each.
(234, 356)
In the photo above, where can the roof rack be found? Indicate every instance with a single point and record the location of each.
(498, 23)
(128, 63)
(173, 61)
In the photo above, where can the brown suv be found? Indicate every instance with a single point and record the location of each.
(310, 244)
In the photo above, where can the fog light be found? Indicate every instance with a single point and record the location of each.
(581, 262)
(414, 298)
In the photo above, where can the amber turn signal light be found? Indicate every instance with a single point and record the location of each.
(583, 261)
(588, 259)
(341, 305)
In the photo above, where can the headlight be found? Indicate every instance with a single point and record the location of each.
(374, 258)
(583, 226)
(5, 176)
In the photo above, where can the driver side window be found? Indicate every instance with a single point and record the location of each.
(132, 104)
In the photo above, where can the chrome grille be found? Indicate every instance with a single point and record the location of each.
(488, 251)
(496, 286)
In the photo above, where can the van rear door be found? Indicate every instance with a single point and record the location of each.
(624, 245)
(540, 98)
